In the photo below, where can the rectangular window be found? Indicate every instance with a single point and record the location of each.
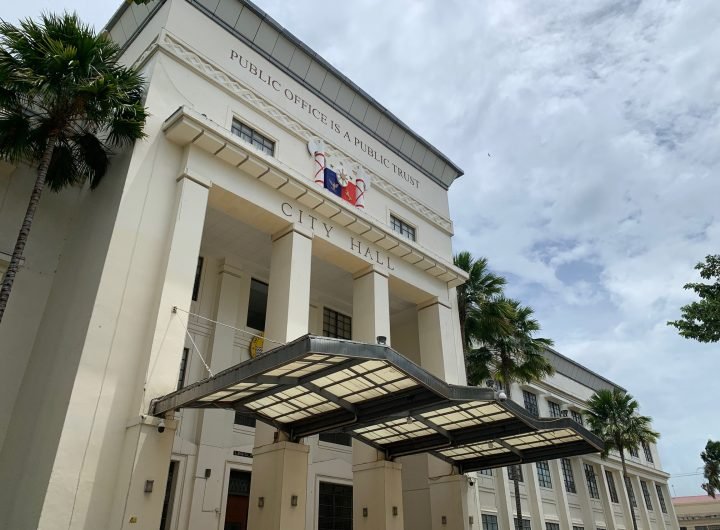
(513, 470)
(183, 368)
(403, 228)
(531, 405)
(335, 507)
(336, 325)
(339, 438)
(198, 276)
(257, 306)
(486, 472)
(611, 487)
(525, 524)
(591, 482)
(543, 471)
(633, 451)
(245, 419)
(631, 492)
(489, 522)
(648, 452)
(577, 416)
(552, 526)
(578, 528)
(661, 498)
(251, 136)
(568, 475)
(646, 494)
(555, 410)
(166, 516)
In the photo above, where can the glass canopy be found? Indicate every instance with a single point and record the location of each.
(316, 384)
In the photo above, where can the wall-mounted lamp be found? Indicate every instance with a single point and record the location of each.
(395, 511)
(149, 486)
(208, 472)
(443, 520)
(293, 500)
(365, 512)
(472, 520)
(261, 502)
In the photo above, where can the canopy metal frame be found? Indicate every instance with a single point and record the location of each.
(378, 396)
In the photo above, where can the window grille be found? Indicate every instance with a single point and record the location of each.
(611, 487)
(543, 470)
(512, 470)
(336, 324)
(555, 410)
(198, 276)
(253, 137)
(403, 228)
(531, 404)
(552, 526)
(577, 416)
(661, 498)
(646, 494)
(335, 506)
(648, 452)
(591, 482)
(183, 368)
(568, 475)
(631, 492)
(489, 522)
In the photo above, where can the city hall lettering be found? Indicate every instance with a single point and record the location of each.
(305, 106)
(321, 227)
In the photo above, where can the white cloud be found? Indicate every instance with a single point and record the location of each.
(602, 123)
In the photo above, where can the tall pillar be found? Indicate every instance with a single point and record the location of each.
(216, 426)
(504, 500)
(605, 499)
(534, 497)
(583, 493)
(641, 511)
(448, 491)
(563, 508)
(278, 491)
(377, 483)
(142, 454)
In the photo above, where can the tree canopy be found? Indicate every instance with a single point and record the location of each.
(700, 320)
(711, 469)
(65, 103)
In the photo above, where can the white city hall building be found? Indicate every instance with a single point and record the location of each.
(252, 322)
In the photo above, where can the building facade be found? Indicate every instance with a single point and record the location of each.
(581, 492)
(699, 512)
(272, 198)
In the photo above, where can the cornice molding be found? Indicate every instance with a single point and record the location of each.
(183, 53)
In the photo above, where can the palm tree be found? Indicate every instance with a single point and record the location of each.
(476, 298)
(613, 416)
(65, 103)
(515, 356)
(711, 470)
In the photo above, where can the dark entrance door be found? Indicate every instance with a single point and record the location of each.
(238, 501)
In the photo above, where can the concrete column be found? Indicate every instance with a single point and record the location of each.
(447, 490)
(643, 517)
(537, 517)
(377, 496)
(371, 305)
(288, 305)
(278, 491)
(605, 499)
(659, 515)
(504, 500)
(377, 484)
(216, 426)
(624, 502)
(563, 507)
(583, 492)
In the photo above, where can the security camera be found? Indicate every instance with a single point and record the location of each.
(502, 396)
(161, 426)
(471, 482)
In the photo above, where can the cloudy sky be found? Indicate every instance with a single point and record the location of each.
(589, 133)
